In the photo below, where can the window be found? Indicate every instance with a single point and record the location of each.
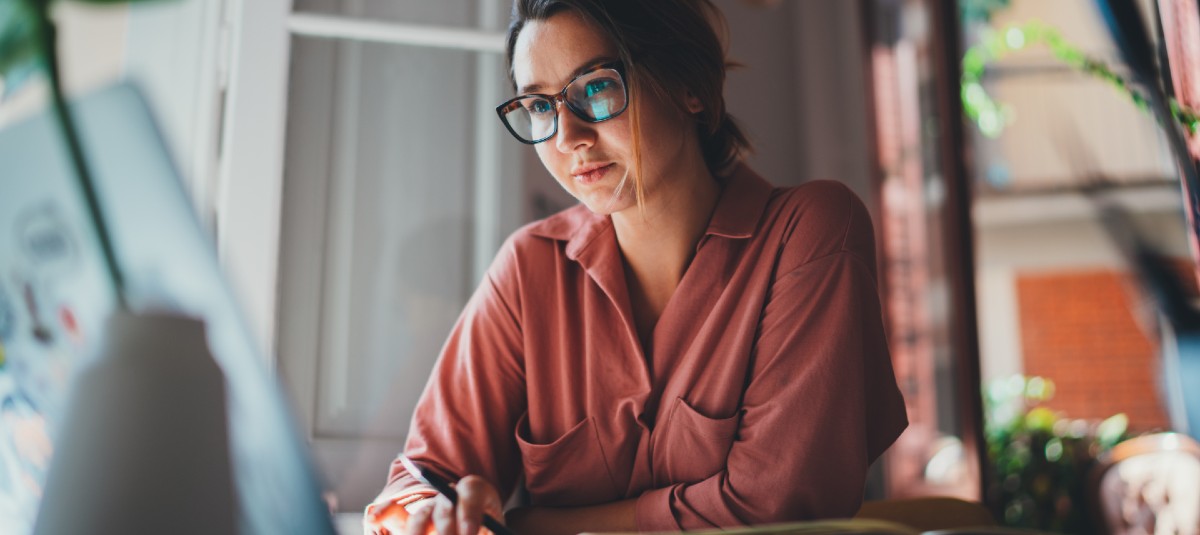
(399, 186)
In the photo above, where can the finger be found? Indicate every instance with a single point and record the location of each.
(475, 498)
(443, 516)
(418, 518)
(377, 515)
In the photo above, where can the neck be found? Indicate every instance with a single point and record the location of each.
(660, 240)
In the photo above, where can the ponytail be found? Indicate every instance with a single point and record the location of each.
(723, 145)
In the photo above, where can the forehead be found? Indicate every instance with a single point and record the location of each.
(548, 52)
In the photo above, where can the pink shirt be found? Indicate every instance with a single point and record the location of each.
(766, 394)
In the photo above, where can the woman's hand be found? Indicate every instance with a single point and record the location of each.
(437, 515)
(392, 516)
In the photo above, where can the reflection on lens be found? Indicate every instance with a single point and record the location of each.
(601, 109)
(594, 97)
(599, 96)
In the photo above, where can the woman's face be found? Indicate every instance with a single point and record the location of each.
(590, 160)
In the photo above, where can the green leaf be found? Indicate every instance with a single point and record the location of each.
(1041, 419)
(20, 50)
(20, 54)
(1112, 430)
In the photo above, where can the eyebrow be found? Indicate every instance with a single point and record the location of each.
(531, 88)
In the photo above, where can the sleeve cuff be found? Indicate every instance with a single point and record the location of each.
(652, 511)
(404, 499)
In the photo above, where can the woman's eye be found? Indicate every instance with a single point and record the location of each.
(598, 86)
(539, 107)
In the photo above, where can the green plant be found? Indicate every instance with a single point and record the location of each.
(991, 117)
(29, 43)
(1040, 459)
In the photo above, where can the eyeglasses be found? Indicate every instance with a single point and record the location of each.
(595, 96)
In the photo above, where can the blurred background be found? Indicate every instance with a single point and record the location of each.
(346, 156)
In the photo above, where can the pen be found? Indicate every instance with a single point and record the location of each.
(444, 488)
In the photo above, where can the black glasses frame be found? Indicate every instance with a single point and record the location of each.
(508, 105)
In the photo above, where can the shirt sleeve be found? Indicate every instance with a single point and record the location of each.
(464, 421)
(821, 402)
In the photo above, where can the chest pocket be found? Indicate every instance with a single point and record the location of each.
(692, 446)
(569, 471)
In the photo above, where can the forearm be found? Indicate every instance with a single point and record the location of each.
(615, 516)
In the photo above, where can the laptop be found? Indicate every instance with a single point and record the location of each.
(55, 297)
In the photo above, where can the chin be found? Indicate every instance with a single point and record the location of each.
(602, 203)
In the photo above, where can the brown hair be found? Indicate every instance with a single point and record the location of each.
(669, 47)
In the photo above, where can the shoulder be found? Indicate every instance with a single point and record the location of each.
(548, 236)
(561, 226)
(539, 245)
(819, 219)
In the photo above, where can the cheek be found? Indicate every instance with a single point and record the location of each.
(545, 154)
(665, 137)
(618, 133)
(550, 157)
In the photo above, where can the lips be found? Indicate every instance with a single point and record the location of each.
(590, 173)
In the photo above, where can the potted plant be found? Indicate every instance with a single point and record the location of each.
(1041, 458)
(29, 45)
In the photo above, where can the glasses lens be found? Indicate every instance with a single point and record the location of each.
(599, 95)
(531, 118)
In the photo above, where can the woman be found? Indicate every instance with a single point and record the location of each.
(688, 347)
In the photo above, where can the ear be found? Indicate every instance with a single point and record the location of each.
(692, 103)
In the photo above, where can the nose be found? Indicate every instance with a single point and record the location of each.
(573, 133)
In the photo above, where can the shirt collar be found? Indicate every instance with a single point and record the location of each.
(739, 209)
(741, 205)
(577, 226)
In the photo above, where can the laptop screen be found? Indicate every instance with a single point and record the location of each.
(55, 297)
